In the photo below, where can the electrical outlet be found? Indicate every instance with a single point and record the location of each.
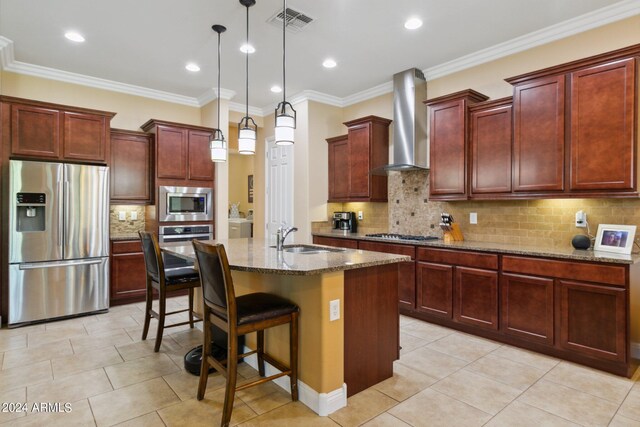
(134, 215)
(334, 310)
(122, 215)
(581, 219)
(360, 216)
(473, 218)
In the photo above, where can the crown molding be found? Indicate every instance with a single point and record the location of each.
(6, 52)
(588, 21)
(241, 108)
(212, 95)
(600, 17)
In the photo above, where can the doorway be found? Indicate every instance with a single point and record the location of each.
(279, 186)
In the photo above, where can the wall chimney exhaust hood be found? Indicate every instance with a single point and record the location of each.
(410, 144)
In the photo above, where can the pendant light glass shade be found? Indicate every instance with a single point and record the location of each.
(218, 147)
(217, 144)
(285, 114)
(285, 124)
(247, 131)
(247, 128)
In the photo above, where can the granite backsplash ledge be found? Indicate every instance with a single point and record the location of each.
(548, 222)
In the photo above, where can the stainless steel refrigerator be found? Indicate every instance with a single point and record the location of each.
(58, 240)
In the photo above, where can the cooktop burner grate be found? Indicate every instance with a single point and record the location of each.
(392, 236)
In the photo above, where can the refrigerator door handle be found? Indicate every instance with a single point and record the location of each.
(38, 265)
(60, 230)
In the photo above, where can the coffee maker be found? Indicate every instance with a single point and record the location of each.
(345, 221)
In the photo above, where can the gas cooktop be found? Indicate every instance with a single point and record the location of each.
(392, 236)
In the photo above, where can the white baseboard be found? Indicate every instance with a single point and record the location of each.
(320, 403)
(635, 350)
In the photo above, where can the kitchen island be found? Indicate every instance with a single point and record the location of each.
(339, 357)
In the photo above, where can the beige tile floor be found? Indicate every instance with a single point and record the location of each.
(443, 378)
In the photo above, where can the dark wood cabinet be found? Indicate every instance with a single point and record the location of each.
(448, 144)
(351, 161)
(182, 152)
(46, 131)
(339, 169)
(337, 242)
(476, 297)
(85, 137)
(35, 131)
(171, 152)
(538, 140)
(491, 147)
(434, 285)
(527, 307)
(592, 319)
(406, 270)
(458, 285)
(128, 274)
(200, 164)
(603, 126)
(131, 167)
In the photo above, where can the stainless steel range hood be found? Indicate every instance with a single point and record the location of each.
(410, 144)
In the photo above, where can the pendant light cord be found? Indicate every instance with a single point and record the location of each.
(218, 81)
(284, 56)
(247, 67)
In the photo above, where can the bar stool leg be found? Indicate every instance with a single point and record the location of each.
(147, 311)
(191, 308)
(260, 354)
(293, 356)
(206, 351)
(232, 372)
(162, 308)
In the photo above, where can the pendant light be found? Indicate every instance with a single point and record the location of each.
(285, 114)
(247, 127)
(217, 144)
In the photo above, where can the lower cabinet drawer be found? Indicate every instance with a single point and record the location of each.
(456, 257)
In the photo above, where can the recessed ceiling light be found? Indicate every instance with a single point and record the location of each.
(329, 63)
(247, 48)
(74, 36)
(192, 67)
(276, 89)
(413, 23)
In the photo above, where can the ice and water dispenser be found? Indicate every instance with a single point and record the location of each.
(30, 211)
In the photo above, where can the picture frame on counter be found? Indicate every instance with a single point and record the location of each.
(615, 238)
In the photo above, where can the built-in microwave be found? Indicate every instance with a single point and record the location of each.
(185, 204)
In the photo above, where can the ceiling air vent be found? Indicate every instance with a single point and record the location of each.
(296, 20)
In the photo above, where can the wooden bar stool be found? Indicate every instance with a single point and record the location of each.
(164, 281)
(239, 316)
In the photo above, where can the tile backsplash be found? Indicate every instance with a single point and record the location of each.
(375, 217)
(548, 222)
(127, 226)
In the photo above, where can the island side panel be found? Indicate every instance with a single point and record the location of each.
(321, 345)
(371, 325)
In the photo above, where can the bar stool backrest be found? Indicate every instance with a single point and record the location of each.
(216, 280)
(152, 257)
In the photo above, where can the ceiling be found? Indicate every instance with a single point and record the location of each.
(146, 43)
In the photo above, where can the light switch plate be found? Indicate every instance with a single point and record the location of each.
(122, 215)
(134, 215)
(360, 216)
(334, 310)
(473, 218)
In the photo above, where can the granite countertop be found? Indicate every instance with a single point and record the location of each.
(124, 236)
(257, 256)
(503, 248)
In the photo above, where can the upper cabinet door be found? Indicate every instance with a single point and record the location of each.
(603, 136)
(35, 131)
(339, 168)
(539, 135)
(359, 160)
(85, 137)
(200, 164)
(130, 167)
(448, 148)
(491, 149)
(171, 152)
